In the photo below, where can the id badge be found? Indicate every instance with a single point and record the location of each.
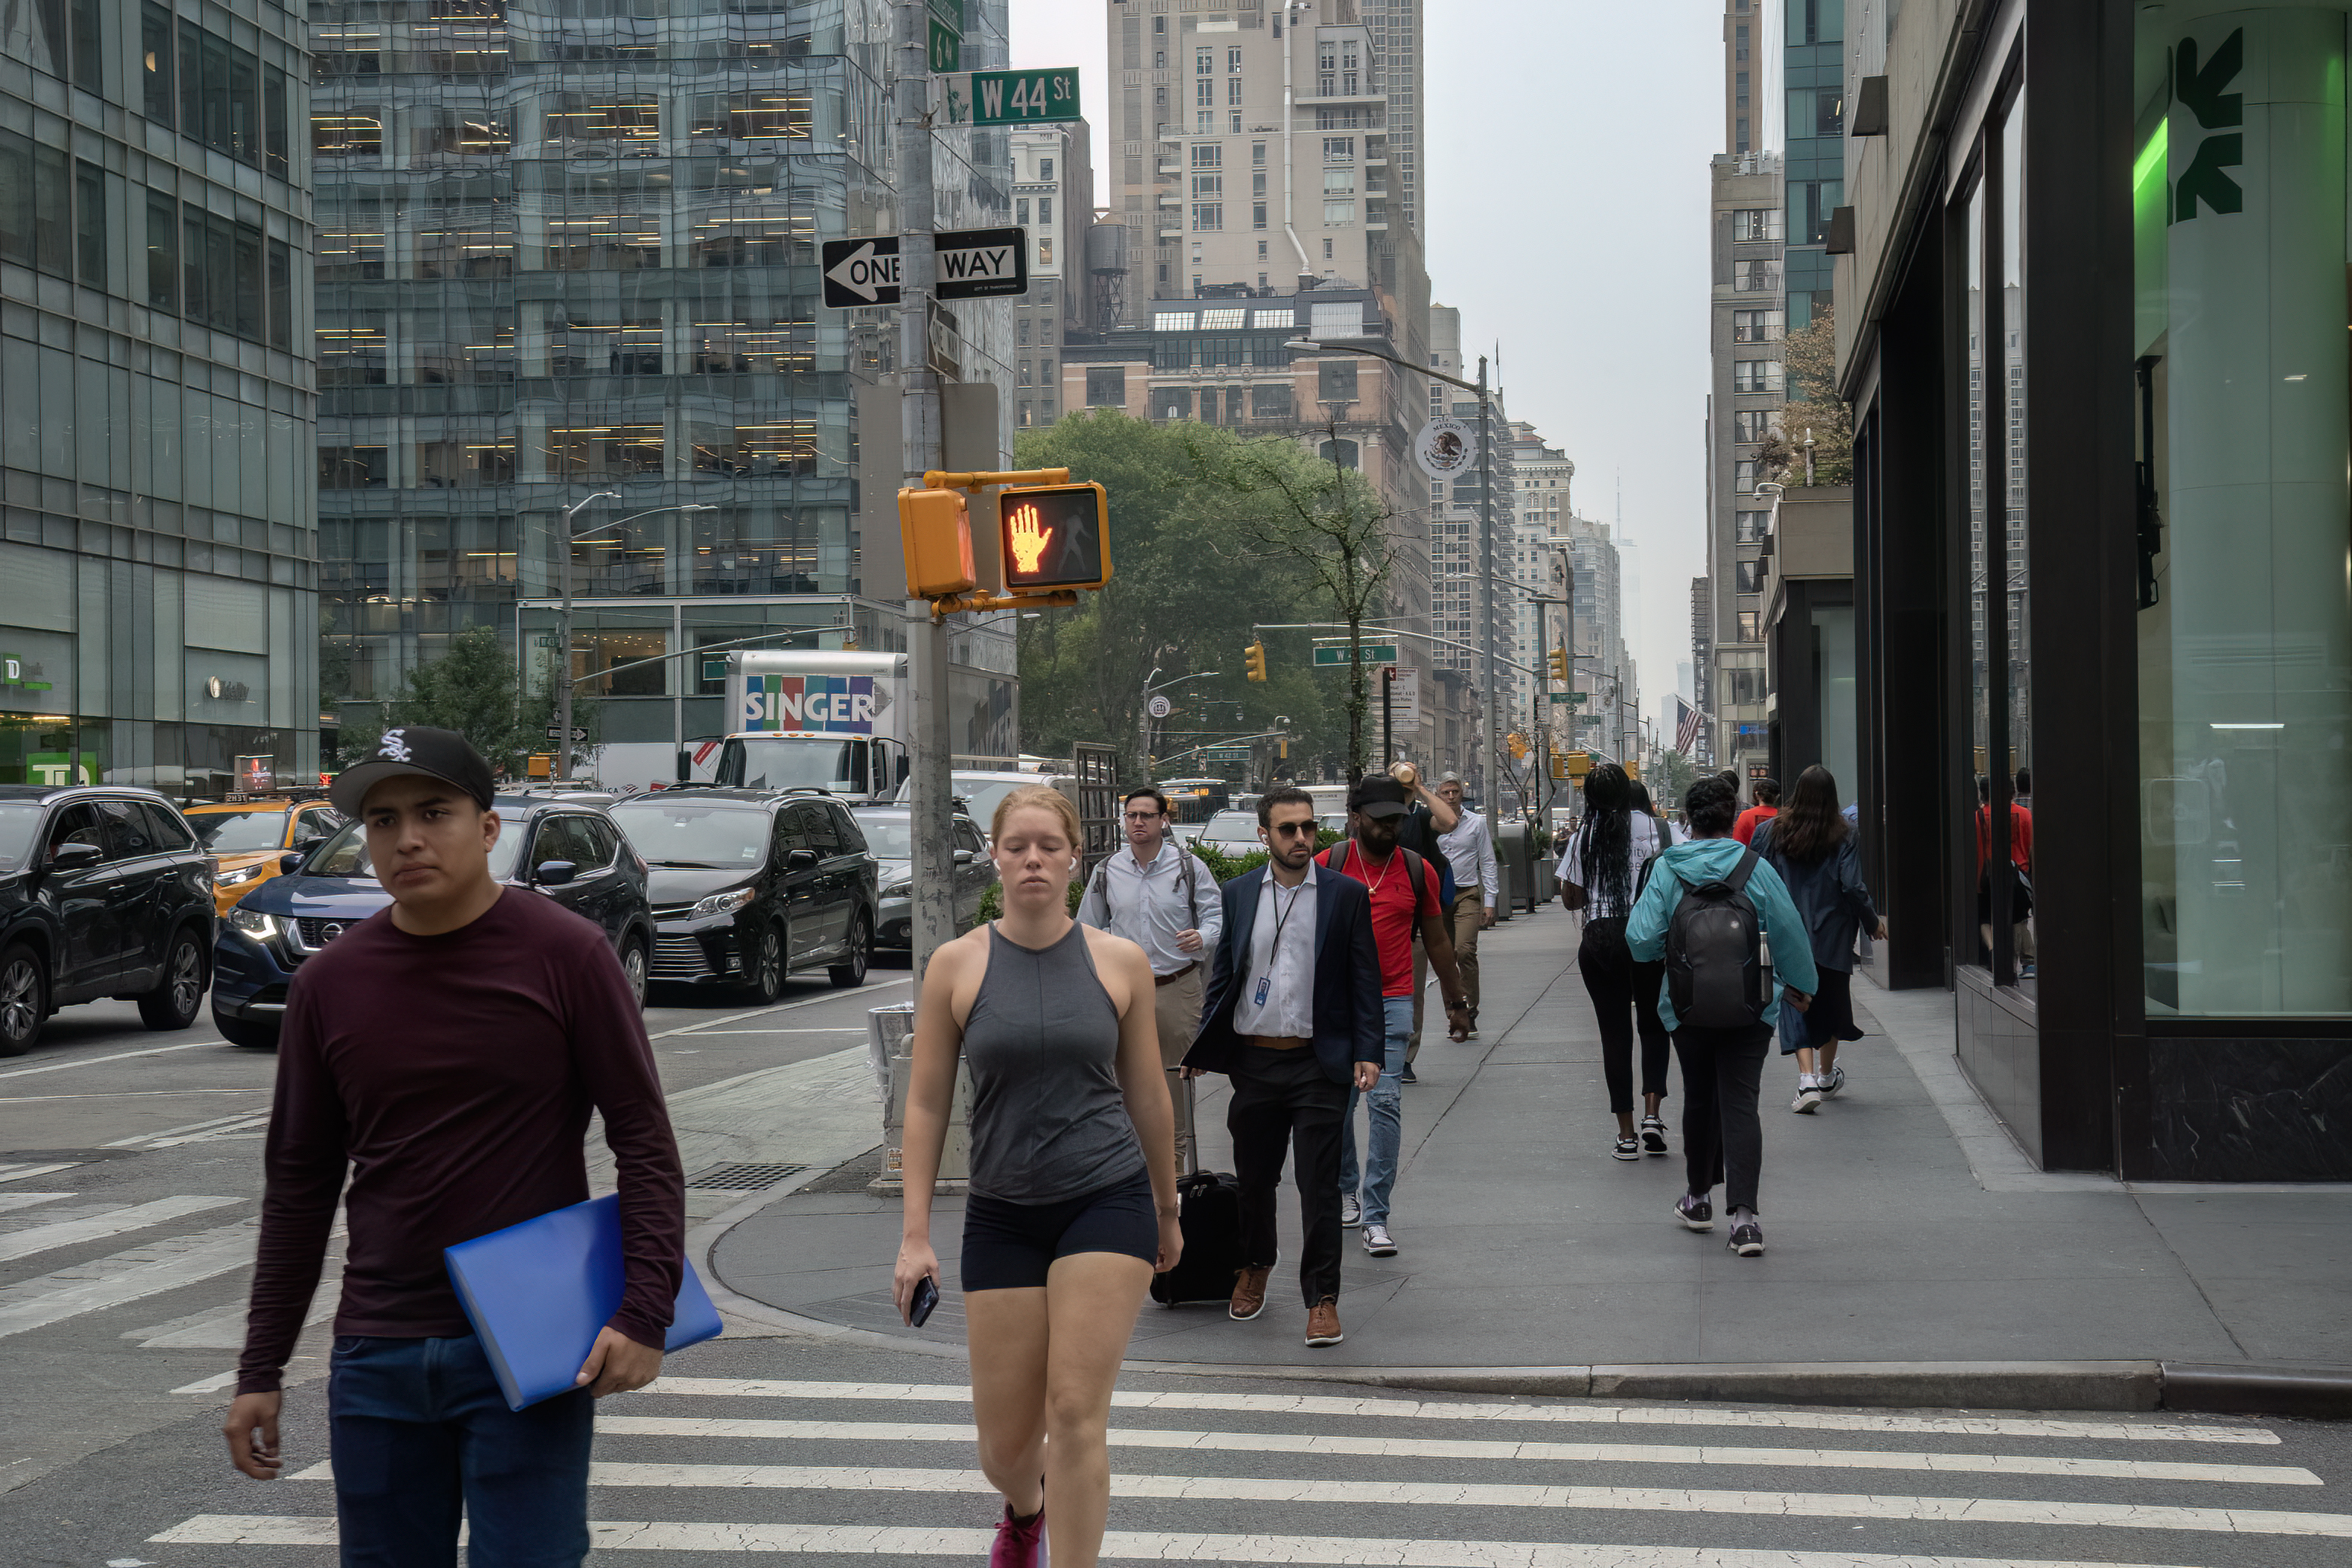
(1265, 984)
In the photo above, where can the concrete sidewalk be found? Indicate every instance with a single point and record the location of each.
(1903, 1228)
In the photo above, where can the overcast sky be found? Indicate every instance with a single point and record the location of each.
(1566, 183)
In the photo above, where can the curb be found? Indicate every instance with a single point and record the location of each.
(2322, 1394)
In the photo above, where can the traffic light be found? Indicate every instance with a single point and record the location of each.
(1255, 657)
(1055, 537)
(935, 531)
(1519, 747)
(1558, 660)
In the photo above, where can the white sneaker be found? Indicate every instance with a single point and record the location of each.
(1834, 1082)
(1351, 1211)
(1378, 1242)
(1807, 1100)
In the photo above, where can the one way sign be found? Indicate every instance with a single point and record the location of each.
(861, 271)
(981, 263)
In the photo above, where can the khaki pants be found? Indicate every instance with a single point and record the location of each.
(1176, 1007)
(1469, 911)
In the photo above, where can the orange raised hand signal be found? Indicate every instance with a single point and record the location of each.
(1027, 538)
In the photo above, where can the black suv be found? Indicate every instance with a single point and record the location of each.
(103, 892)
(750, 885)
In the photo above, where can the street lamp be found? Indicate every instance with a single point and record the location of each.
(1485, 532)
(564, 630)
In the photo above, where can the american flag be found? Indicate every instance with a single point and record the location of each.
(1686, 728)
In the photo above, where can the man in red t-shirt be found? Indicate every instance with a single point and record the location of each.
(1405, 891)
(1767, 807)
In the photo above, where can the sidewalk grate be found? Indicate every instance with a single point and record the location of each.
(741, 1178)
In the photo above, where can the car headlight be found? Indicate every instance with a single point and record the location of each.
(896, 889)
(253, 923)
(725, 904)
(236, 878)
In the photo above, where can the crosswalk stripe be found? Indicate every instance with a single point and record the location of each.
(99, 1227)
(26, 1172)
(1460, 1449)
(1587, 1414)
(9, 1201)
(128, 1276)
(912, 1544)
(1226, 1490)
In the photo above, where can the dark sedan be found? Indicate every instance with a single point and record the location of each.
(750, 885)
(103, 892)
(569, 851)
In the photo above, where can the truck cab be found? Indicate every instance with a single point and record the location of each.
(865, 768)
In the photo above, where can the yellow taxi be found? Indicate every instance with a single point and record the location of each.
(246, 836)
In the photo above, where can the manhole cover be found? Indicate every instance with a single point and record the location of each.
(742, 1178)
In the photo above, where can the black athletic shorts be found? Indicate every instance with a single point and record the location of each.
(1009, 1246)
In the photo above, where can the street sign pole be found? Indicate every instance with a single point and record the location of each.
(931, 853)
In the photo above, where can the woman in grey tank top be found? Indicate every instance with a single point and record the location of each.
(1072, 1193)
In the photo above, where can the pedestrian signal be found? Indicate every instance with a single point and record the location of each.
(1253, 655)
(1056, 537)
(1558, 658)
(935, 532)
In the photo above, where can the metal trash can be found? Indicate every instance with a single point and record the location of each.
(890, 1047)
(1511, 865)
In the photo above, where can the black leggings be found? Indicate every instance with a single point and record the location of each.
(1723, 1139)
(1625, 1000)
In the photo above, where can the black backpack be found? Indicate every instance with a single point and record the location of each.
(1716, 971)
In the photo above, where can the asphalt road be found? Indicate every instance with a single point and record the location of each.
(129, 1179)
(802, 1451)
(123, 1269)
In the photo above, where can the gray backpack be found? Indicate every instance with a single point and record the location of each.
(1716, 971)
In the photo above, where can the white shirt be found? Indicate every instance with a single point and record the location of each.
(1287, 967)
(1471, 853)
(1642, 841)
(1149, 903)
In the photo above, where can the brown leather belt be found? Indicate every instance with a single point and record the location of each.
(1278, 1042)
(1172, 979)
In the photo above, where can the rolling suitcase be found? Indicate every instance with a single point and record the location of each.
(1209, 1212)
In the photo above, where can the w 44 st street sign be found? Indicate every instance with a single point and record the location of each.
(1010, 97)
(1336, 653)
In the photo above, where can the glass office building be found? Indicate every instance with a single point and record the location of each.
(2104, 537)
(157, 550)
(568, 247)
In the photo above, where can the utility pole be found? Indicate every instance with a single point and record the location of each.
(1487, 597)
(929, 748)
(563, 627)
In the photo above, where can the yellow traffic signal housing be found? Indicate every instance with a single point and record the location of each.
(1253, 655)
(1055, 537)
(935, 529)
(1518, 744)
(1558, 660)
(1633, 770)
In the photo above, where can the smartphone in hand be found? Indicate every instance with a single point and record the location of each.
(925, 1298)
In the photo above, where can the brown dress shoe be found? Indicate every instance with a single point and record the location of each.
(1323, 1324)
(1249, 1293)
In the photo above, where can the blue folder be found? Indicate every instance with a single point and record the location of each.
(538, 1293)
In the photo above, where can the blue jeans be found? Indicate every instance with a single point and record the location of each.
(1388, 1125)
(422, 1436)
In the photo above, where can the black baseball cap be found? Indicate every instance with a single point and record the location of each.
(414, 749)
(1379, 797)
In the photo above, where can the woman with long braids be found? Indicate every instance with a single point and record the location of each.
(1813, 846)
(1600, 874)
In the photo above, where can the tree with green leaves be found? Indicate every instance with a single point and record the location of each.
(1185, 592)
(1321, 520)
(474, 689)
(1673, 776)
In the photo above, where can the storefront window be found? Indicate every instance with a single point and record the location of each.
(2245, 619)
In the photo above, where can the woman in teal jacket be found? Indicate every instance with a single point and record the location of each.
(1723, 1137)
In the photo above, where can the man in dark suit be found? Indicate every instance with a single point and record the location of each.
(1294, 1017)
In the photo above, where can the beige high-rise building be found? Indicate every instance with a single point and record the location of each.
(1052, 201)
(1266, 142)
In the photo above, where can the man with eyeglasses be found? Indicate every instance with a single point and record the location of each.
(1295, 1018)
(1162, 898)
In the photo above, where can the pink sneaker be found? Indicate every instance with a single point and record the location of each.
(1020, 1542)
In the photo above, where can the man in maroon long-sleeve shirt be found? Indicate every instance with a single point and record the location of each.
(448, 1051)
